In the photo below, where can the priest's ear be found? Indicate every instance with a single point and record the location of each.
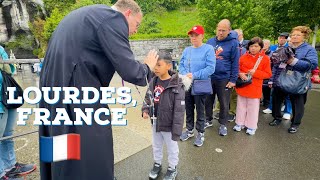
(127, 13)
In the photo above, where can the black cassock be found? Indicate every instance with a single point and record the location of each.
(85, 50)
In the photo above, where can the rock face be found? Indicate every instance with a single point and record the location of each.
(15, 16)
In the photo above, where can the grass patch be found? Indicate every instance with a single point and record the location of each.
(173, 24)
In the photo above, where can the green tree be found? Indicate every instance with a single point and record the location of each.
(61, 5)
(37, 28)
(249, 15)
(150, 25)
(43, 29)
(148, 6)
(287, 14)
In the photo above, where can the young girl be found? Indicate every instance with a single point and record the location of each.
(165, 105)
(248, 101)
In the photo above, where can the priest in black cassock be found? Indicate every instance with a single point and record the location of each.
(89, 45)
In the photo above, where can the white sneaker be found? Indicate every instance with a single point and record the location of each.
(282, 108)
(286, 116)
(251, 131)
(267, 111)
(238, 128)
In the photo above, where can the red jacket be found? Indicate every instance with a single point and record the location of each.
(246, 63)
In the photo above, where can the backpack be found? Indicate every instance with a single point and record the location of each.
(8, 81)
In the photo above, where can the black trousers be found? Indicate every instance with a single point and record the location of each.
(223, 93)
(297, 100)
(266, 91)
(197, 102)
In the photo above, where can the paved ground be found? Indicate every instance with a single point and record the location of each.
(271, 154)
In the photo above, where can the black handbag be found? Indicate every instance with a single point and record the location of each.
(8, 81)
(242, 83)
(295, 82)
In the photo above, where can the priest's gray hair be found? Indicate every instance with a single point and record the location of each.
(123, 5)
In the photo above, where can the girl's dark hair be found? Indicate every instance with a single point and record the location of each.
(165, 56)
(255, 40)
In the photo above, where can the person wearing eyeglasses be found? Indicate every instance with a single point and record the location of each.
(89, 45)
(304, 58)
(226, 46)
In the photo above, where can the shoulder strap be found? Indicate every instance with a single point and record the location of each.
(154, 85)
(257, 63)
(189, 60)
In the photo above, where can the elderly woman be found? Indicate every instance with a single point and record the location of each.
(197, 62)
(257, 64)
(305, 56)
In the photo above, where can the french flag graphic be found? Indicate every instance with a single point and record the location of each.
(60, 148)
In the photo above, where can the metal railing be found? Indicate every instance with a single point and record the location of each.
(17, 135)
(20, 61)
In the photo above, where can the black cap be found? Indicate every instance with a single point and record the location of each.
(285, 34)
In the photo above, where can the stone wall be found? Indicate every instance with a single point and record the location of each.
(141, 47)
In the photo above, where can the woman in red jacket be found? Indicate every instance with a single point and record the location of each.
(248, 101)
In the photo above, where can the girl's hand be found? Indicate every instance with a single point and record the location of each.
(251, 72)
(189, 75)
(145, 115)
(243, 76)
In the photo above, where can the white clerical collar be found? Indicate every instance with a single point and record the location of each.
(114, 8)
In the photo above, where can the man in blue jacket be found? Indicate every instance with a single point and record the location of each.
(242, 42)
(223, 80)
(282, 41)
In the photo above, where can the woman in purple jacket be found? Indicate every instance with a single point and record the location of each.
(304, 55)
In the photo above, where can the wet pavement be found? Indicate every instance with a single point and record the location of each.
(272, 153)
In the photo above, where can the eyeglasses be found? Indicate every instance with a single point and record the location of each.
(138, 24)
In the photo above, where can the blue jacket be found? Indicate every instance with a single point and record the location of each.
(227, 55)
(199, 61)
(303, 53)
(243, 47)
(275, 47)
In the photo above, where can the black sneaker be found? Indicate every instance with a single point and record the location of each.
(216, 116)
(171, 174)
(275, 122)
(208, 124)
(21, 169)
(155, 171)
(293, 129)
(231, 118)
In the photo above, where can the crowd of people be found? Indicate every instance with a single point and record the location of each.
(235, 58)
(223, 60)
